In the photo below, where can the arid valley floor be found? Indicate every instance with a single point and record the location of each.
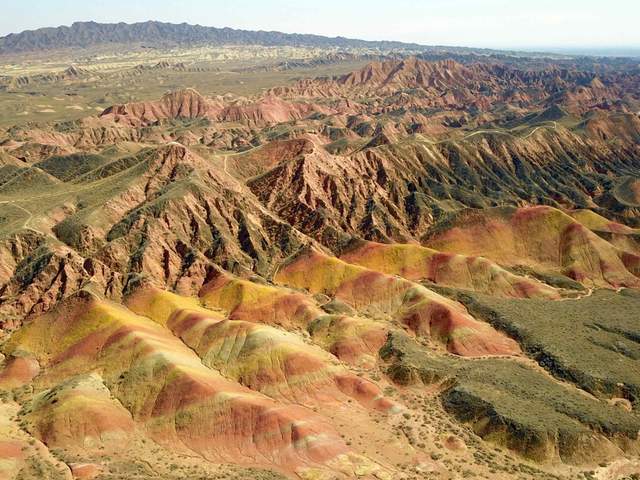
(314, 262)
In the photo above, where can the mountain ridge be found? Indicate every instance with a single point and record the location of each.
(83, 34)
(87, 34)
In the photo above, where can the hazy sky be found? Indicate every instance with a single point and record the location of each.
(482, 23)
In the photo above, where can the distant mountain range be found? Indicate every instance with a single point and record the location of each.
(151, 33)
(82, 35)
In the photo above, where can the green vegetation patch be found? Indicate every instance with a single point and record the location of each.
(32, 265)
(513, 404)
(68, 167)
(593, 341)
(27, 180)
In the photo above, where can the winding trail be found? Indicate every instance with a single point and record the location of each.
(501, 132)
(79, 188)
(579, 297)
(555, 127)
(26, 224)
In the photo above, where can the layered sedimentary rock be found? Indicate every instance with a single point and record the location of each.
(324, 280)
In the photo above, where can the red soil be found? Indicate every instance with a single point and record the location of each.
(18, 371)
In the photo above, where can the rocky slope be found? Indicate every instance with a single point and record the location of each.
(324, 280)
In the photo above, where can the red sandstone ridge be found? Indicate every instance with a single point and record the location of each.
(410, 73)
(268, 110)
(186, 103)
(449, 84)
(189, 103)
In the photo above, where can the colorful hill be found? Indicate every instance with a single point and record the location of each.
(538, 237)
(156, 378)
(414, 262)
(414, 267)
(396, 300)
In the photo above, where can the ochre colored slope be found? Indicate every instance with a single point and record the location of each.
(164, 386)
(598, 223)
(414, 262)
(540, 237)
(79, 412)
(621, 236)
(263, 358)
(353, 340)
(242, 299)
(424, 312)
(22, 456)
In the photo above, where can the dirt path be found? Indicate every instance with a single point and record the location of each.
(501, 132)
(26, 224)
(57, 193)
(579, 297)
(555, 127)
(30, 215)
